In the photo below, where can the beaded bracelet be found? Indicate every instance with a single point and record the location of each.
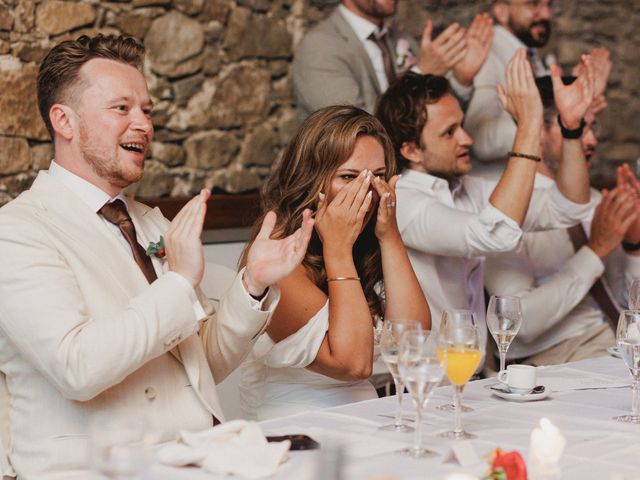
(338, 279)
(525, 155)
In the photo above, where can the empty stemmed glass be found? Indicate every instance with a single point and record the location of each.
(459, 340)
(634, 295)
(504, 317)
(462, 317)
(392, 331)
(628, 337)
(421, 367)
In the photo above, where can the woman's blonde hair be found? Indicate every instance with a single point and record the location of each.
(324, 141)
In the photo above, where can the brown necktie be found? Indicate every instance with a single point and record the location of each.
(598, 290)
(380, 39)
(116, 213)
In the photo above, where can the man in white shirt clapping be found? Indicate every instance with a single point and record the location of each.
(449, 220)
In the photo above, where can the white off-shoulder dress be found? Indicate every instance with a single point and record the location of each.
(274, 381)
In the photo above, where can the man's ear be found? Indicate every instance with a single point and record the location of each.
(62, 120)
(411, 152)
(501, 12)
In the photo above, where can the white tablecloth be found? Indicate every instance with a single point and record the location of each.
(597, 446)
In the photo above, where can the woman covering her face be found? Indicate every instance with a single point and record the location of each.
(318, 349)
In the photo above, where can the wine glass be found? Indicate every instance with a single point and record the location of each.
(634, 295)
(460, 339)
(392, 331)
(504, 317)
(461, 317)
(628, 337)
(421, 367)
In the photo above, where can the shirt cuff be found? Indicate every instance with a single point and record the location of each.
(490, 215)
(632, 266)
(582, 212)
(586, 264)
(257, 305)
(463, 92)
(198, 311)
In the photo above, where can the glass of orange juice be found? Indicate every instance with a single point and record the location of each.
(459, 338)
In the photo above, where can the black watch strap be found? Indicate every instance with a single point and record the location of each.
(630, 247)
(571, 134)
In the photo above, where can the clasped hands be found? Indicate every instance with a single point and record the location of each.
(268, 260)
(457, 49)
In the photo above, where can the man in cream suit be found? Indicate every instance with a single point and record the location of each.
(90, 329)
(352, 56)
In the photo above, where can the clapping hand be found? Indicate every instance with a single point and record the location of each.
(615, 214)
(270, 260)
(439, 55)
(625, 177)
(601, 61)
(386, 225)
(573, 101)
(339, 222)
(183, 245)
(520, 96)
(479, 38)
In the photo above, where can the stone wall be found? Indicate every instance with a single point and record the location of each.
(219, 73)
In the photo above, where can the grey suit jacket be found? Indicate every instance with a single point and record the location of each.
(331, 67)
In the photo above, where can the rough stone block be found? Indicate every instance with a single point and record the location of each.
(169, 154)
(173, 39)
(213, 149)
(55, 16)
(18, 103)
(251, 35)
(14, 155)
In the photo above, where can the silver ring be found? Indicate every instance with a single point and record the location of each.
(391, 204)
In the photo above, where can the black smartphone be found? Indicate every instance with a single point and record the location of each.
(298, 442)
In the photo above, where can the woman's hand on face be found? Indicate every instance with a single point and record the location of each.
(386, 225)
(339, 222)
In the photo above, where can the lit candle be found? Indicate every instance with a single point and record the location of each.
(545, 449)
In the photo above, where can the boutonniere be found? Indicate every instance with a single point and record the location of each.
(405, 59)
(156, 249)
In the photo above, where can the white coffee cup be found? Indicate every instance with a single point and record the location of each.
(518, 378)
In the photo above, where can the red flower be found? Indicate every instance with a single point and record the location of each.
(512, 463)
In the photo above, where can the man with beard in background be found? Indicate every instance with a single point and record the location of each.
(572, 281)
(519, 23)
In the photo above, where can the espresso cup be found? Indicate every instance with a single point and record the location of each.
(518, 378)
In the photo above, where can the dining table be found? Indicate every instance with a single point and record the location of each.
(581, 400)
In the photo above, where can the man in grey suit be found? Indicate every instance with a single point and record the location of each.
(352, 56)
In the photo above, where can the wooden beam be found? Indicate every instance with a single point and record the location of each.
(223, 210)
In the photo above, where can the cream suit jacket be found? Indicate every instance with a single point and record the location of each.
(83, 335)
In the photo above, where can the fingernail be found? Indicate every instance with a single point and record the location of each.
(321, 195)
(369, 193)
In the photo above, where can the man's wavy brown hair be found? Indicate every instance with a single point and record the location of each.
(324, 141)
(402, 109)
(60, 70)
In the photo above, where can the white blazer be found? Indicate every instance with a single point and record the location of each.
(83, 335)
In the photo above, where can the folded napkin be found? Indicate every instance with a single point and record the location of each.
(237, 447)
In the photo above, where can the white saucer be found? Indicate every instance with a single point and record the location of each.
(614, 351)
(522, 397)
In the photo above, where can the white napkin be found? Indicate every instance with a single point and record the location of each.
(237, 447)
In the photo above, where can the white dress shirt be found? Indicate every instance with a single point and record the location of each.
(553, 282)
(491, 127)
(449, 232)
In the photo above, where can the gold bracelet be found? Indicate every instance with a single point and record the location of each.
(525, 155)
(338, 279)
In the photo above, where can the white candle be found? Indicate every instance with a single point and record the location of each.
(545, 449)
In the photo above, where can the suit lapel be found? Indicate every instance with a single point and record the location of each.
(355, 45)
(72, 219)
